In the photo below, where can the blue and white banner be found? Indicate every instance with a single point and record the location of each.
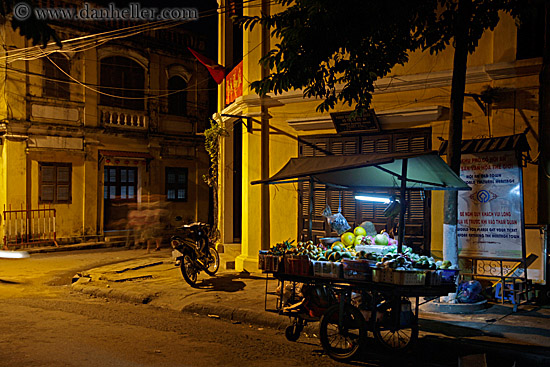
(490, 216)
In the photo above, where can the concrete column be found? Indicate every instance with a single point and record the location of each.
(265, 202)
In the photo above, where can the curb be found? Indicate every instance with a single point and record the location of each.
(127, 296)
(237, 314)
(74, 247)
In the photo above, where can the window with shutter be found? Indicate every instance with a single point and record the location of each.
(337, 147)
(177, 97)
(319, 199)
(307, 151)
(348, 207)
(402, 144)
(418, 144)
(367, 146)
(304, 189)
(122, 83)
(383, 146)
(323, 147)
(57, 83)
(350, 147)
(54, 183)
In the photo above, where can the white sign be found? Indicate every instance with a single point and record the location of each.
(490, 216)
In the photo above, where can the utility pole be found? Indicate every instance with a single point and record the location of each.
(458, 86)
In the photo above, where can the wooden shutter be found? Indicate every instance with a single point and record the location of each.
(417, 231)
(368, 146)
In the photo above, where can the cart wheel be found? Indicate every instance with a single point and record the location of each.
(292, 332)
(397, 339)
(342, 340)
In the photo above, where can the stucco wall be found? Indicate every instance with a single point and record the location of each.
(424, 81)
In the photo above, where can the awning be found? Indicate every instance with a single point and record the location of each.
(123, 154)
(425, 170)
(516, 142)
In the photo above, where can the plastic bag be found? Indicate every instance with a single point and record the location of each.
(469, 292)
(337, 222)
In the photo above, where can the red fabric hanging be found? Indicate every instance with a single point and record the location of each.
(216, 70)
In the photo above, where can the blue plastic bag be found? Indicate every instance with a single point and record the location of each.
(469, 292)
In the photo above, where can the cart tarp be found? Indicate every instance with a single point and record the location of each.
(425, 170)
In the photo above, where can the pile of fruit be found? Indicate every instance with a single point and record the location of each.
(381, 239)
(282, 248)
(408, 260)
(345, 249)
(309, 249)
(359, 237)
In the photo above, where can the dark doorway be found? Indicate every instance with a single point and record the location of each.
(119, 194)
(237, 180)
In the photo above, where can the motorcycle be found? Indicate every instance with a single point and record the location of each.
(194, 252)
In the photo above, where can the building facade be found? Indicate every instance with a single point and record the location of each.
(411, 104)
(106, 124)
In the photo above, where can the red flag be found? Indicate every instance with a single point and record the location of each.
(216, 70)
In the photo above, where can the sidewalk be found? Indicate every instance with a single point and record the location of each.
(241, 297)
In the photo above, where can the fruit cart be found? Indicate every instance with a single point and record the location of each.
(357, 298)
(359, 301)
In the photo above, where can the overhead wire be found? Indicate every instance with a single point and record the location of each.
(108, 94)
(92, 40)
(37, 52)
(44, 77)
(95, 40)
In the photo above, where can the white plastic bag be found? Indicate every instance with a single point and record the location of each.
(337, 222)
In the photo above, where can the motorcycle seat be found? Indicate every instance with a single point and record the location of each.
(195, 225)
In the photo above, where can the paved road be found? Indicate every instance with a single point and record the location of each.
(47, 323)
(71, 330)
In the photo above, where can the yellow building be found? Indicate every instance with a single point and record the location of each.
(101, 127)
(411, 104)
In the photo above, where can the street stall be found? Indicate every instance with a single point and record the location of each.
(356, 287)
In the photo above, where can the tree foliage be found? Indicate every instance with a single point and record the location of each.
(335, 50)
(38, 31)
(212, 145)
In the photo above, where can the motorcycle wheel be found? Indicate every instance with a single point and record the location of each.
(189, 270)
(213, 262)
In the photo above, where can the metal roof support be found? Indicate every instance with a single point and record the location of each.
(401, 235)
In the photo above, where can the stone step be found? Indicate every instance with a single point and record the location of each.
(228, 254)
